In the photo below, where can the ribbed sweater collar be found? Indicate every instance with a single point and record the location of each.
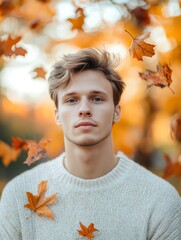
(116, 175)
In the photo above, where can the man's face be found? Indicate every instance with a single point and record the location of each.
(86, 110)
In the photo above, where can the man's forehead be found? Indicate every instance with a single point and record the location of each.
(87, 82)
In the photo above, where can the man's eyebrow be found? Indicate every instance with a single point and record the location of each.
(69, 94)
(98, 92)
(91, 92)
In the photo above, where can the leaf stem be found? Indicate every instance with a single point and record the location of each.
(171, 89)
(129, 33)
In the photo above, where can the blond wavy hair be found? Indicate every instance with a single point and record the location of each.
(85, 59)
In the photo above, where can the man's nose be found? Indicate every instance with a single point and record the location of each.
(84, 109)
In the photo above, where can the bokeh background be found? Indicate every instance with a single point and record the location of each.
(48, 30)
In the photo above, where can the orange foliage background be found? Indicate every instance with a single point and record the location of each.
(148, 130)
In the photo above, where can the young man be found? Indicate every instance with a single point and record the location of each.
(100, 195)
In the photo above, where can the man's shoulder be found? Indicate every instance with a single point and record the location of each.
(146, 182)
(29, 179)
(151, 183)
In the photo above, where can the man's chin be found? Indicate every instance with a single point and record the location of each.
(88, 141)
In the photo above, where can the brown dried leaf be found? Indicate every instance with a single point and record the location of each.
(44, 1)
(36, 151)
(175, 125)
(35, 23)
(141, 15)
(6, 6)
(160, 78)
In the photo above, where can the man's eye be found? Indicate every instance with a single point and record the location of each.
(97, 99)
(71, 100)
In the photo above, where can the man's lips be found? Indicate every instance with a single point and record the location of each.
(82, 124)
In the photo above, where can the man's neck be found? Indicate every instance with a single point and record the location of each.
(89, 162)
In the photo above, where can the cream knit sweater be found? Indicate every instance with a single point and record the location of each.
(128, 203)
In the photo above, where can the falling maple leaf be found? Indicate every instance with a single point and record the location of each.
(8, 49)
(8, 153)
(44, 1)
(160, 78)
(30, 9)
(78, 21)
(19, 143)
(36, 151)
(141, 15)
(87, 231)
(173, 168)
(175, 125)
(6, 6)
(139, 48)
(19, 51)
(40, 72)
(35, 23)
(6, 45)
(39, 203)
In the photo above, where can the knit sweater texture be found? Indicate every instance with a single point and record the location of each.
(128, 203)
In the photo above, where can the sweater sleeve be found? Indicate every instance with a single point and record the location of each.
(165, 221)
(9, 217)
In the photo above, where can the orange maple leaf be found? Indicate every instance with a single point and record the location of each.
(87, 231)
(139, 48)
(160, 78)
(19, 51)
(8, 153)
(7, 47)
(173, 168)
(40, 72)
(19, 143)
(39, 203)
(36, 151)
(77, 22)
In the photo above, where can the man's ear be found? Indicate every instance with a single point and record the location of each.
(57, 117)
(117, 113)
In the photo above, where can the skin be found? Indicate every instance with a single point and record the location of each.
(88, 98)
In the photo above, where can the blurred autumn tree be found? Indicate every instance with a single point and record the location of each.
(36, 33)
